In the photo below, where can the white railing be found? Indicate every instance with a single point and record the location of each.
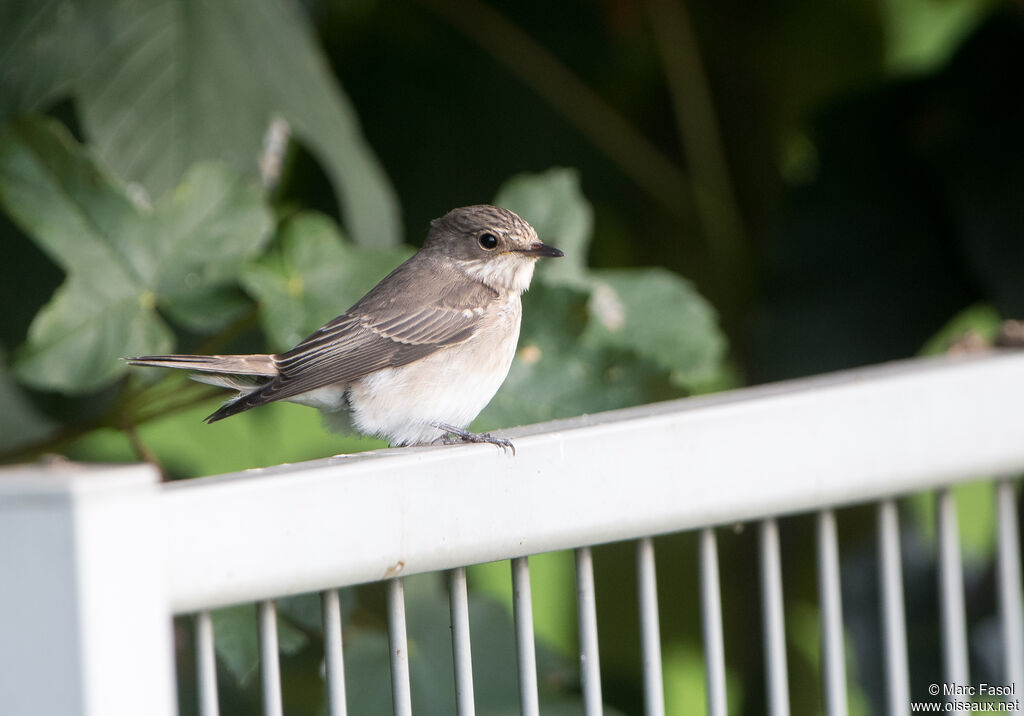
(95, 559)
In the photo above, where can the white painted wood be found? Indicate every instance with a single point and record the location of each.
(620, 475)
(85, 626)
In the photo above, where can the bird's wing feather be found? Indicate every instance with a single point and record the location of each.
(378, 332)
(353, 346)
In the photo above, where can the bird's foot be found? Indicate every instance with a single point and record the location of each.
(454, 435)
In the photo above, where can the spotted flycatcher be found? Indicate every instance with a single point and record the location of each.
(417, 358)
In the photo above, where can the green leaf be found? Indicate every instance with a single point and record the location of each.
(304, 610)
(226, 446)
(921, 35)
(555, 206)
(557, 375)
(103, 311)
(19, 421)
(202, 235)
(40, 53)
(206, 310)
(171, 84)
(236, 639)
(981, 321)
(75, 341)
(975, 505)
(315, 276)
(122, 260)
(659, 316)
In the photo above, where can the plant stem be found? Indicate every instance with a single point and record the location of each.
(524, 57)
(697, 125)
(161, 398)
(142, 450)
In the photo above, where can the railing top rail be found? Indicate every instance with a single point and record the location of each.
(789, 447)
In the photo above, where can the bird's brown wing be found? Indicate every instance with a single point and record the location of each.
(351, 347)
(372, 335)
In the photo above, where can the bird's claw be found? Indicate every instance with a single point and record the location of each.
(454, 436)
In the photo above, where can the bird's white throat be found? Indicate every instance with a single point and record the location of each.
(502, 272)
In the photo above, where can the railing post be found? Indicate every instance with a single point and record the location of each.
(85, 626)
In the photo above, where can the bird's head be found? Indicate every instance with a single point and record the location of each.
(491, 244)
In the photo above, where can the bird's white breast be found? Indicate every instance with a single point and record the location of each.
(449, 386)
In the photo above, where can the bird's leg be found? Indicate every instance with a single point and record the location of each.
(465, 436)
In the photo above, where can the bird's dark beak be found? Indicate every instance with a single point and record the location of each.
(542, 251)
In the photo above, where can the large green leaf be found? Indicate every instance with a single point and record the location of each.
(161, 86)
(40, 53)
(978, 323)
(659, 316)
(176, 82)
(122, 260)
(237, 640)
(315, 276)
(20, 422)
(554, 204)
(227, 445)
(75, 341)
(557, 374)
(920, 35)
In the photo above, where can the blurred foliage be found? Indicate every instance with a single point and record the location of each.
(123, 262)
(839, 183)
(312, 272)
(159, 87)
(980, 321)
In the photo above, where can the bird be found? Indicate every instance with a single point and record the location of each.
(417, 358)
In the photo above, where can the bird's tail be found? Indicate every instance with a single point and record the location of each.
(243, 373)
(260, 364)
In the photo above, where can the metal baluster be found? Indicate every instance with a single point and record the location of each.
(776, 671)
(1009, 586)
(590, 665)
(650, 639)
(830, 594)
(522, 609)
(458, 599)
(401, 692)
(334, 662)
(890, 588)
(206, 666)
(951, 593)
(270, 667)
(711, 607)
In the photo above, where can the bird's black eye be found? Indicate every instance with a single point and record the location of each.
(488, 241)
